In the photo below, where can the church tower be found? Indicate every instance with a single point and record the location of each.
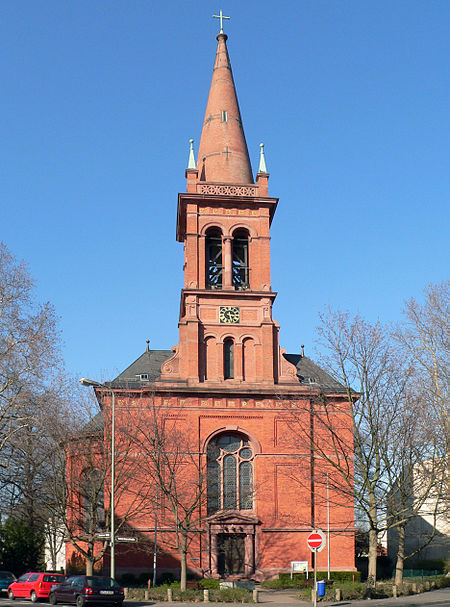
(233, 397)
(227, 332)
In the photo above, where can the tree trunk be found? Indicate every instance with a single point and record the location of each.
(89, 566)
(372, 570)
(400, 556)
(183, 554)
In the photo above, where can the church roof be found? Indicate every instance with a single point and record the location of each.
(147, 369)
(223, 154)
(311, 374)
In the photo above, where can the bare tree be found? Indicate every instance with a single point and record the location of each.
(349, 441)
(170, 459)
(422, 472)
(29, 343)
(425, 335)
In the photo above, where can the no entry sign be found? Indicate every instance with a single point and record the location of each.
(316, 540)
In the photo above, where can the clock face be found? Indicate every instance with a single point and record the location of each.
(229, 315)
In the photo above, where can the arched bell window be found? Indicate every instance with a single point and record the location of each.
(240, 266)
(213, 258)
(229, 473)
(228, 359)
(92, 500)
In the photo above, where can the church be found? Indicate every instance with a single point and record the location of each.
(230, 386)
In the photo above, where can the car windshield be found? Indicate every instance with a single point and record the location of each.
(6, 575)
(101, 582)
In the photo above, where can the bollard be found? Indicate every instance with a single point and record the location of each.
(206, 595)
(255, 595)
(338, 594)
(313, 596)
(394, 591)
(146, 595)
(414, 588)
(169, 595)
(125, 592)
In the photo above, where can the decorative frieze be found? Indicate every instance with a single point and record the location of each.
(227, 190)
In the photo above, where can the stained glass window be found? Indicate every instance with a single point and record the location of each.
(230, 473)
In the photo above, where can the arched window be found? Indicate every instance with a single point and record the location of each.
(240, 260)
(92, 500)
(213, 258)
(230, 473)
(228, 359)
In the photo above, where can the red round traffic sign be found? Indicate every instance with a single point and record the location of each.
(316, 540)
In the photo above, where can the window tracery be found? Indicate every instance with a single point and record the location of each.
(230, 473)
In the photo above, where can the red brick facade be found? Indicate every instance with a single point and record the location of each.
(239, 402)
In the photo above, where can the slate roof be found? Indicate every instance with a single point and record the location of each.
(148, 364)
(147, 368)
(312, 375)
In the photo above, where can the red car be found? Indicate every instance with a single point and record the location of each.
(34, 586)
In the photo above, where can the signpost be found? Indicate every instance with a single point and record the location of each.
(316, 542)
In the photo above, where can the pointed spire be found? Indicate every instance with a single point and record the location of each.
(191, 160)
(223, 154)
(262, 160)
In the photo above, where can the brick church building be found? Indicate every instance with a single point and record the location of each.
(229, 384)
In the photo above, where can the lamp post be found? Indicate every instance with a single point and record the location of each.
(95, 384)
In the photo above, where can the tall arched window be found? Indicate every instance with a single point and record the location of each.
(230, 473)
(240, 260)
(213, 258)
(228, 359)
(92, 500)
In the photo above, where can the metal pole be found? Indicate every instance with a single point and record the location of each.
(328, 529)
(155, 538)
(315, 580)
(113, 475)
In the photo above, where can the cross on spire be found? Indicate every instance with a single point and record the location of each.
(221, 16)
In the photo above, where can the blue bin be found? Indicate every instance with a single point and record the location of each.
(321, 588)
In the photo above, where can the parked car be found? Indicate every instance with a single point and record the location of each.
(34, 586)
(6, 578)
(83, 589)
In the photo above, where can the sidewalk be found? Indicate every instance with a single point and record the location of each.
(287, 598)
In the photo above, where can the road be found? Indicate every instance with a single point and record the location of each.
(436, 598)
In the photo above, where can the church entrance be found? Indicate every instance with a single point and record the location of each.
(231, 553)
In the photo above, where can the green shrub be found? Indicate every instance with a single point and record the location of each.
(440, 565)
(210, 583)
(299, 579)
(230, 595)
(349, 591)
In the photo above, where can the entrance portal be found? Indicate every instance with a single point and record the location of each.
(231, 553)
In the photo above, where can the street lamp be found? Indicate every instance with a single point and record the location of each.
(96, 384)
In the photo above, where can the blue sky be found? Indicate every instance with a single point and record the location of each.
(100, 98)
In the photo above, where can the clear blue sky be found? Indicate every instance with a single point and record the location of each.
(99, 99)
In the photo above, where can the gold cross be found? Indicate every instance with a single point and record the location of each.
(221, 16)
